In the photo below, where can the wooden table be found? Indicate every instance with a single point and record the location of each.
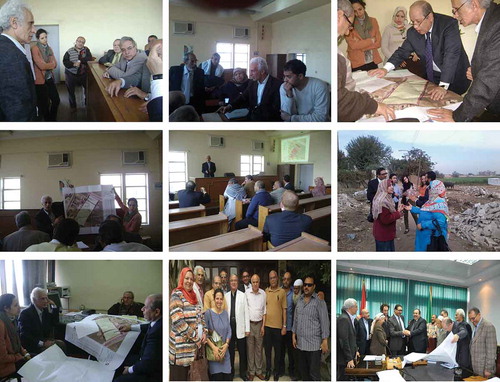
(173, 204)
(304, 243)
(101, 107)
(184, 231)
(248, 239)
(175, 214)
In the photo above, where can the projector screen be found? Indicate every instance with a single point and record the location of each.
(295, 149)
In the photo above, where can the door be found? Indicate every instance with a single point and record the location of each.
(53, 40)
(305, 176)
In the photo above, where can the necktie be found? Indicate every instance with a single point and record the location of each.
(428, 58)
(187, 89)
(115, 58)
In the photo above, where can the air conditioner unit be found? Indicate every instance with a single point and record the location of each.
(181, 27)
(134, 157)
(216, 141)
(257, 145)
(59, 160)
(239, 32)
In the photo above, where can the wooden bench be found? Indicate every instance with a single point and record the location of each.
(186, 213)
(173, 204)
(307, 204)
(184, 231)
(322, 222)
(304, 195)
(304, 243)
(248, 239)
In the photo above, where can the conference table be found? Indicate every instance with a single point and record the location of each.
(101, 107)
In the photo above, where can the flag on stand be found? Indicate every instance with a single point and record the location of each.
(363, 296)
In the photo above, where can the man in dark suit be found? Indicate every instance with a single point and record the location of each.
(112, 56)
(288, 185)
(287, 225)
(384, 308)
(436, 40)
(147, 366)
(462, 338)
(208, 168)
(418, 333)
(189, 79)
(347, 349)
(37, 323)
(47, 215)
(17, 85)
(191, 198)
(484, 72)
(363, 333)
(398, 333)
(245, 281)
(261, 97)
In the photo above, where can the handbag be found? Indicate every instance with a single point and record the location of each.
(198, 371)
(370, 217)
(438, 243)
(216, 340)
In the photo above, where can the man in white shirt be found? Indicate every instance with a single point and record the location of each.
(256, 300)
(303, 99)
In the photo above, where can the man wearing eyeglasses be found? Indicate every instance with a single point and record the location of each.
(436, 39)
(76, 61)
(311, 329)
(131, 62)
(483, 344)
(483, 97)
(189, 79)
(399, 335)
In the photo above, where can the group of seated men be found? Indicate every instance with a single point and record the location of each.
(37, 325)
(298, 98)
(52, 232)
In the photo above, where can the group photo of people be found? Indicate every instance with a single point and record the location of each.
(449, 320)
(245, 63)
(250, 320)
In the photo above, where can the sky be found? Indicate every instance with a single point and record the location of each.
(462, 151)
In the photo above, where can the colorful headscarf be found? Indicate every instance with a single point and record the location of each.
(437, 201)
(382, 199)
(190, 296)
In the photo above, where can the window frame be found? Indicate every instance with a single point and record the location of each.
(174, 189)
(3, 189)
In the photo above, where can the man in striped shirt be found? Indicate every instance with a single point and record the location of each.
(311, 329)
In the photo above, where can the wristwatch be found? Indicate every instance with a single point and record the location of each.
(157, 77)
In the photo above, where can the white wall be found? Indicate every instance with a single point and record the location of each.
(383, 13)
(99, 284)
(485, 297)
(237, 143)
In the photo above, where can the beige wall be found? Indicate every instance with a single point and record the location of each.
(100, 22)
(227, 159)
(383, 13)
(99, 284)
(307, 33)
(92, 154)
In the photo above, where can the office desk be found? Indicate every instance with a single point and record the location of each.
(103, 108)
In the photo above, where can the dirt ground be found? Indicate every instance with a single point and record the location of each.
(352, 221)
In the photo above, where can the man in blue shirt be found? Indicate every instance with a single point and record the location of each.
(261, 198)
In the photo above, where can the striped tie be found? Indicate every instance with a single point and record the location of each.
(428, 58)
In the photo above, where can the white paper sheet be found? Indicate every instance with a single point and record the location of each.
(446, 352)
(390, 376)
(418, 112)
(373, 358)
(414, 357)
(238, 113)
(399, 73)
(368, 83)
(53, 366)
(110, 351)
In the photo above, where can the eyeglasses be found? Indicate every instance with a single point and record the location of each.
(413, 24)
(351, 25)
(308, 284)
(455, 11)
(130, 48)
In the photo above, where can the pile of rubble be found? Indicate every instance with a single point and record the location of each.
(479, 191)
(346, 202)
(479, 224)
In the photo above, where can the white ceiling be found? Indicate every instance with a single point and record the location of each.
(6, 135)
(436, 271)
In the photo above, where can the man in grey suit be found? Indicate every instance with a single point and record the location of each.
(399, 335)
(25, 236)
(347, 349)
(17, 84)
(418, 333)
(131, 61)
(462, 338)
(483, 346)
(484, 72)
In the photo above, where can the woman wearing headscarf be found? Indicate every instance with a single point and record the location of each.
(234, 88)
(44, 63)
(187, 330)
(385, 216)
(364, 40)
(378, 338)
(433, 213)
(408, 190)
(393, 37)
(132, 219)
(233, 192)
(12, 355)
(319, 188)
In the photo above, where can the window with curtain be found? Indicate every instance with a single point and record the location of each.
(410, 294)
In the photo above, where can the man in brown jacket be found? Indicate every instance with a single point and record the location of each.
(483, 346)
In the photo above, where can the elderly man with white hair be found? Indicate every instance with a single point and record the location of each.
(261, 97)
(17, 83)
(347, 349)
(45, 218)
(461, 337)
(37, 323)
(199, 285)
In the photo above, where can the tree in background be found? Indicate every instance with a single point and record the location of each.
(418, 161)
(367, 153)
(455, 174)
(342, 161)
